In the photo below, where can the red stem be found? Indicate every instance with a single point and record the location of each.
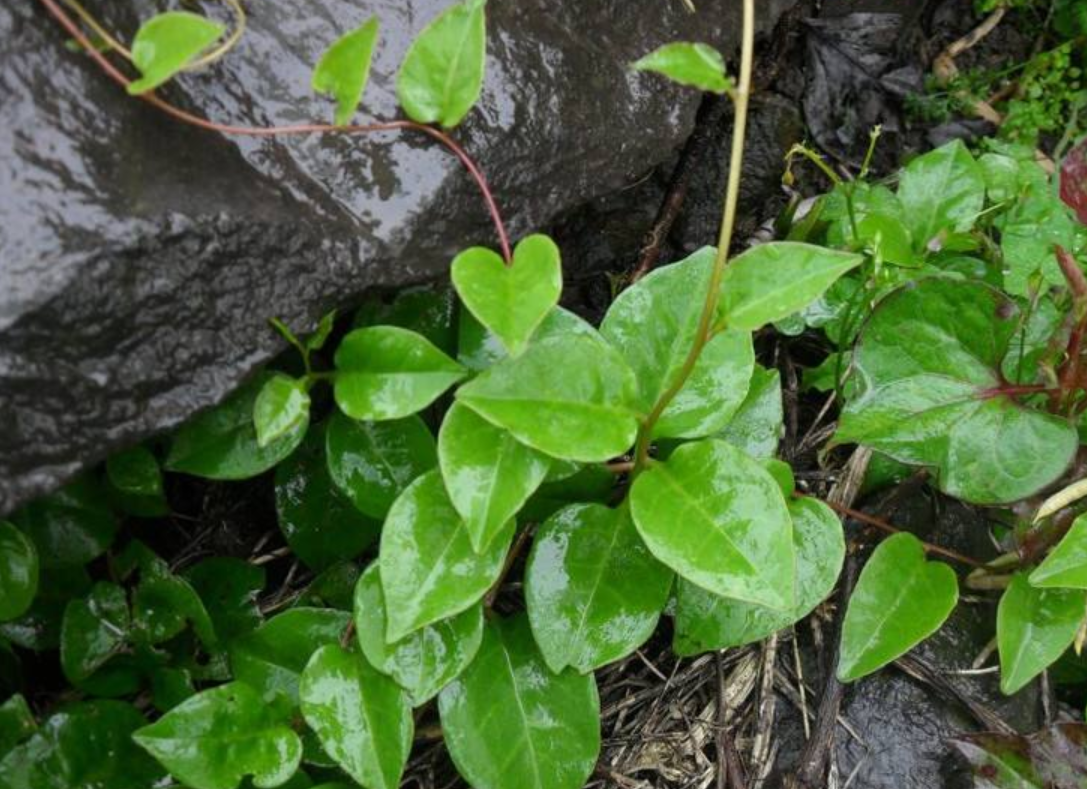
(1072, 273)
(294, 130)
(1010, 390)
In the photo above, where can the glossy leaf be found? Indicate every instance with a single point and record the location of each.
(222, 443)
(344, 69)
(429, 310)
(136, 479)
(593, 591)
(429, 570)
(362, 718)
(657, 349)
(1053, 758)
(95, 628)
(39, 627)
(1066, 565)
(385, 372)
(772, 281)
(168, 42)
(215, 738)
(372, 462)
(229, 588)
(900, 600)
(1033, 628)
(18, 572)
(478, 349)
(930, 394)
(941, 191)
(87, 745)
(271, 658)
(488, 474)
(693, 64)
(718, 519)
(427, 660)
(758, 424)
(442, 73)
(320, 523)
(72, 526)
(510, 301)
(16, 723)
(280, 409)
(163, 605)
(510, 723)
(570, 398)
(706, 622)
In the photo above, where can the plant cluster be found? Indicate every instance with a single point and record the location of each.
(625, 471)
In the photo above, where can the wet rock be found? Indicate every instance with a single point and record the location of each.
(140, 259)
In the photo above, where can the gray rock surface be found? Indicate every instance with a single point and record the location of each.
(140, 259)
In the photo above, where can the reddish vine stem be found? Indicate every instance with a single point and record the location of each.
(1070, 370)
(884, 526)
(301, 129)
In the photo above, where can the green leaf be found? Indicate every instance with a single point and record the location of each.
(429, 570)
(320, 524)
(593, 591)
(229, 588)
(442, 73)
(706, 622)
(1033, 628)
(718, 519)
(570, 398)
(427, 660)
(488, 474)
(217, 737)
(280, 409)
(362, 718)
(510, 723)
(929, 394)
(222, 443)
(72, 526)
(758, 424)
(942, 191)
(95, 628)
(87, 745)
(653, 324)
(693, 64)
(271, 658)
(478, 349)
(372, 462)
(429, 310)
(900, 600)
(168, 42)
(772, 281)
(163, 605)
(344, 69)
(1029, 231)
(18, 572)
(39, 627)
(332, 588)
(385, 372)
(136, 479)
(1066, 565)
(511, 301)
(16, 723)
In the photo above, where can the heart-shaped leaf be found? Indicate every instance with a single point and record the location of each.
(372, 462)
(281, 408)
(69, 527)
(344, 69)
(930, 394)
(362, 718)
(718, 519)
(511, 301)
(217, 737)
(770, 282)
(1033, 628)
(900, 600)
(571, 398)
(488, 474)
(136, 481)
(593, 591)
(429, 570)
(95, 629)
(427, 660)
(168, 42)
(385, 372)
(442, 73)
(18, 572)
(694, 64)
(229, 588)
(320, 523)
(657, 349)
(1066, 565)
(478, 349)
(707, 622)
(510, 723)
